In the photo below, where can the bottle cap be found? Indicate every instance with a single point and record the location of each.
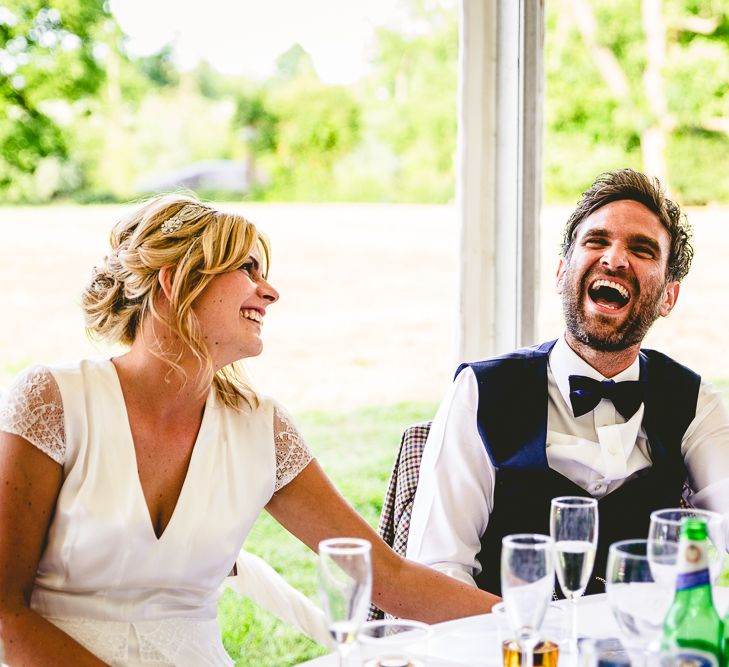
(694, 528)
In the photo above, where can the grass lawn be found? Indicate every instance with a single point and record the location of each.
(357, 450)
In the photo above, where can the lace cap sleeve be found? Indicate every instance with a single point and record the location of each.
(292, 453)
(33, 409)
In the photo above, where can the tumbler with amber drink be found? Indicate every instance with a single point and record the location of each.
(546, 650)
(527, 582)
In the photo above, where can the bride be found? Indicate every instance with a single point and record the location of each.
(128, 485)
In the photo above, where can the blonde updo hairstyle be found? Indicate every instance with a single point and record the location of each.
(199, 242)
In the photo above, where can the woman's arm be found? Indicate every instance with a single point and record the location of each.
(312, 509)
(29, 485)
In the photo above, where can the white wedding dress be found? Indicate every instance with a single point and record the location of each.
(104, 577)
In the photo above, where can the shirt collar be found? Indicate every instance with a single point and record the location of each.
(564, 361)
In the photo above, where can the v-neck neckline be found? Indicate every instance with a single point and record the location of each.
(132, 458)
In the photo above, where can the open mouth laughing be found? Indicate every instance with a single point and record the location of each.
(609, 294)
(251, 314)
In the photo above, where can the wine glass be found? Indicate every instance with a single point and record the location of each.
(664, 535)
(345, 585)
(638, 602)
(573, 523)
(527, 581)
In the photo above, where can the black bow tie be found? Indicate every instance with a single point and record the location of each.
(586, 393)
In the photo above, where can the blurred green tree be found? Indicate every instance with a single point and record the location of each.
(107, 156)
(317, 126)
(257, 128)
(158, 68)
(390, 137)
(294, 63)
(296, 128)
(411, 101)
(49, 61)
(637, 83)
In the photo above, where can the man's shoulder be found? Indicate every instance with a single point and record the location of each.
(660, 359)
(537, 351)
(533, 353)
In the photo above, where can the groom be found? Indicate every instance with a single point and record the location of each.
(590, 414)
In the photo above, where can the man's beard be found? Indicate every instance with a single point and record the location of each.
(607, 336)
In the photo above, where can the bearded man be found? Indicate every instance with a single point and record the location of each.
(590, 414)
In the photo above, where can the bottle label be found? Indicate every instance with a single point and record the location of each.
(692, 556)
(686, 580)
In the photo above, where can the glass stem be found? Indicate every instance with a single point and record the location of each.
(573, 607)
(344, 650)
(527, 653)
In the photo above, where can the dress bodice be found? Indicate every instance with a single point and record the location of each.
(104, 576)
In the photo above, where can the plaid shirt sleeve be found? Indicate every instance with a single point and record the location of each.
(398, 504)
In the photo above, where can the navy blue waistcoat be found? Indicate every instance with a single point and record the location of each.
(512, 423)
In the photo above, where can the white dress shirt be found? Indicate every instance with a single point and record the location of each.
(598, 451)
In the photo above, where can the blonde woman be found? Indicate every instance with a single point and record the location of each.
(128, 485)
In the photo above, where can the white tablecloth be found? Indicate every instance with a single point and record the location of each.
(473, 641)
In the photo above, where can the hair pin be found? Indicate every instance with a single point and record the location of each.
(185, 214)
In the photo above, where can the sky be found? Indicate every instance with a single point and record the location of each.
(246, 36)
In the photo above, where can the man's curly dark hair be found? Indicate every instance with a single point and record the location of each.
(628, 184)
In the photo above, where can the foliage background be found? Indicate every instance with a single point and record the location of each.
(389, 137)
(642, 84)
(629, 83)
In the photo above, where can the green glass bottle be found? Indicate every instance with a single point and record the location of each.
(692, 625)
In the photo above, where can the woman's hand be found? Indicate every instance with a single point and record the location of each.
(311, 508)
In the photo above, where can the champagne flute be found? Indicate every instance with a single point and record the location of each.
(664, 535)
(527, 580)
(638, 602)
(573, 524)
(345, 585)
